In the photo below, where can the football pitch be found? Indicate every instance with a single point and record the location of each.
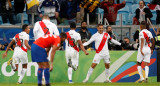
(89, 84)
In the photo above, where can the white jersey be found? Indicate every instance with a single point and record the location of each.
(75, 37)
(38, 32)
(97, 37)
(142, 35)
(22, 36)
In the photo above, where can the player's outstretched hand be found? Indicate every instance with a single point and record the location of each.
(87, 53)
(142, 53)
(51, 67)
(4, 55)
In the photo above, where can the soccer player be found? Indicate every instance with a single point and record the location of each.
(144, 50)
(39, 50)
(101, 44)
(20, 51)
(72, 50)
(44, 27)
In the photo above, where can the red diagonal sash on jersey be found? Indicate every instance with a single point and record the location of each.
(102, 43)
(147, 38)
(71, 42)
(44, 28)
(19, 43)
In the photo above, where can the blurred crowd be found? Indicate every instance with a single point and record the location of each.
(62, 12)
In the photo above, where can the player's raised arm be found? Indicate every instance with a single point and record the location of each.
(153, 45)
(10, 44)
(82, 47)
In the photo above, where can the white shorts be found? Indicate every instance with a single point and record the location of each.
(73, 55)
(98, 57)
(20, 56)
(146, 57)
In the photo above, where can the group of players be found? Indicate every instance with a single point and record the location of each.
(48, 40)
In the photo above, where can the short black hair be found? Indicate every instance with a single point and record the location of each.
(63, 35)
(126, 38)
(83, 21)
(143, 23)
(72, 25)
(99, 25)
(24, 27)
(143, 2)
(108, 26)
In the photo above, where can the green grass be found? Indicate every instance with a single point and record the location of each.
(90, 84)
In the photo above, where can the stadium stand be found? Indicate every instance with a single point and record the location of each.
(1, 20)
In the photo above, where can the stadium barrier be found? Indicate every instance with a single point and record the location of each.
(123, 68)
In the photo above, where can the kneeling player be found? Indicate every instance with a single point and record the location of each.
(101, 43)
(39, 54)
(20, 51)
(144, 50)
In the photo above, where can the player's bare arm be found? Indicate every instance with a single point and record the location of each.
(54, 48)
(10, 44)
(142, 43)
(153, 45)
(27, 45)
(82, 47)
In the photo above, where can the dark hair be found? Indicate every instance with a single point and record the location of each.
(126, 38)
(63, 35)
(83, 21)
(99, 25)
(45, 17)
(108, 26)
(143, 23)
(143, 2)
(24, 27)
(72, 25)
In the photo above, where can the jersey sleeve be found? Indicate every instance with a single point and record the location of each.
(35, 29)
(141, 35)
(78, 36)
(90, 41)
(57, 42)
(26, 37)
(151, 36)
(109, 37)
(14, 38)
(55, 30)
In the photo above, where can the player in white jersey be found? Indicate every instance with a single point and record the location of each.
(101, 44)
(144, 50)
(72, 50)
(44, 27)
(20, 51)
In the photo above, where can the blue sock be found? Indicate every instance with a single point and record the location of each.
(47, 75)
(39, 73)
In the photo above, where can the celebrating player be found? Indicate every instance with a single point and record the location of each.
(44, 27)
(20, 51)
(101, 43)
(144, 50)
(72, 50)
(39, 51)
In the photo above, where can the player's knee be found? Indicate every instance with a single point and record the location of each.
(69, 64)
(15, 69)
(139, 63)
